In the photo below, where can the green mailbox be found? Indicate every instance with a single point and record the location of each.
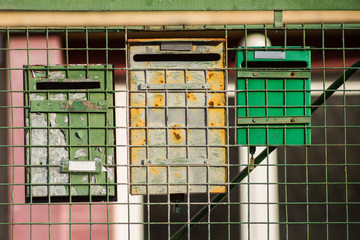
(69, 132)
(273, 96)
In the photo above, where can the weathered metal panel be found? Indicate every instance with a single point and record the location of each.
(177, 116)
(184, 5)
(69, 135)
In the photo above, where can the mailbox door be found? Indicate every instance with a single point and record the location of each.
(69, 132)
(177, 116)
(273, 97)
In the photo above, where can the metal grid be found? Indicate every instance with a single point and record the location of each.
(316, 188)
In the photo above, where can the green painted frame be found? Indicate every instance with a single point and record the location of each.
(178, 5)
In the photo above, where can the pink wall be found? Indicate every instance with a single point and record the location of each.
(31, 221)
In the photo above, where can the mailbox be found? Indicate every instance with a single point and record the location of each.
(177, 112)
(69, 132)
(273, 96)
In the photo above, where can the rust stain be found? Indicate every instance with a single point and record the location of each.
(218, 189)
(137, 137)
(191, 96)
(177, 175)
(176, 135)
(154, 170)
(159, 77)
(218, 99)
(134, 191)
(216, 79)
(217, 117)
(136, 117)
(159, 100)
(189, 76)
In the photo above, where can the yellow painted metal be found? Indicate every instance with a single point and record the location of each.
(178, 129)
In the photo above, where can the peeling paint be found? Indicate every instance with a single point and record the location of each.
(85, 179)
(80, 153)
(34, 96)
(77, 96)
(56, 75)
(59, 96)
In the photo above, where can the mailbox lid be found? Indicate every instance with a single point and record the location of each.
(69, 131)
(291, 57)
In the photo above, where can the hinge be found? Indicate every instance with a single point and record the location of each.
(278, 18)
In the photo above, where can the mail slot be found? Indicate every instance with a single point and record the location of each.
(177, 116)
(273, 96)
(69, 133)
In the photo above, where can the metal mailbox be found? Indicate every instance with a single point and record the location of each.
(273, 96)
(69, 122)
(177, 116)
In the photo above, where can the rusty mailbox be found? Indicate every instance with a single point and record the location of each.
(69, 124)
(177, 116)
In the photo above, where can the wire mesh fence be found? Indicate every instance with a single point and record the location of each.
(180, 132)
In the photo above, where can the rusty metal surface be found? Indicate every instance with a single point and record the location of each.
(176, 135)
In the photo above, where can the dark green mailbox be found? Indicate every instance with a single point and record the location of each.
(69, 132)
(273, 96)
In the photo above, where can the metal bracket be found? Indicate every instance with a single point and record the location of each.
(273, 120)
(274, 74)
(175, 162)
(278, 18)
(180, 86)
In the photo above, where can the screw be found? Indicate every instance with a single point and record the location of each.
(205, 162)
(292, 74)
(148, 86)
(254, 74)
(254, 120)
(292, 120)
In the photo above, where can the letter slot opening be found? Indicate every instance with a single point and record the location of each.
(52, 85)
(185, 57)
